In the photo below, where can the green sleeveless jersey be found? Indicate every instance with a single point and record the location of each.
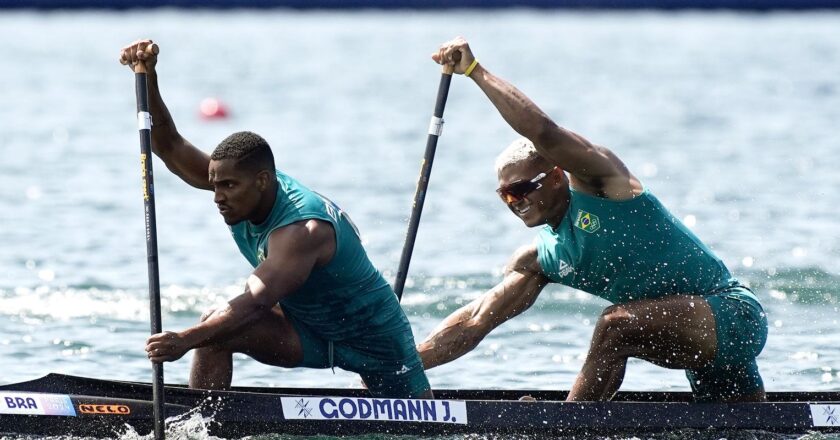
(344, 299)
(628, 250)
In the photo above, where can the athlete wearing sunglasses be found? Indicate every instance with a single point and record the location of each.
(516, 191)
(675, 303)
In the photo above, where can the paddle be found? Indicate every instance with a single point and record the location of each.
(435, 128)
(144, 122)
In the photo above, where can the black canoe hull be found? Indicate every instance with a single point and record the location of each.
(103, 408)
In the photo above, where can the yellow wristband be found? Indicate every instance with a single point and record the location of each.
(471, 68)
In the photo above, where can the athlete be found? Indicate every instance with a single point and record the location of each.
(314, 299)
(601, 231)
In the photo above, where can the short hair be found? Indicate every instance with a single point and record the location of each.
(249, 150)
(518, 151)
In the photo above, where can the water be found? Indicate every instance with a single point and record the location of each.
(729, 118)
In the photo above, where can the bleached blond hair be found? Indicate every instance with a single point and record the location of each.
(519, 150)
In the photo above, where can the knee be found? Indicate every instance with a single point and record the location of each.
(613, 327)
(615, 318)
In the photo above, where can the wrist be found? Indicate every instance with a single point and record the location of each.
(471, 68)
(477, 73)
(195, 336)
(186, 336)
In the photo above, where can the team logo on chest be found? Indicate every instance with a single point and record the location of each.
(587, 222)
(564, 268)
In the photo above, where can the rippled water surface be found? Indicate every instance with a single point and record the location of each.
(729, 118)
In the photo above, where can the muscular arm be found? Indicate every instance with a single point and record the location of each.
(180, 156)
(593, 169)
(461, 331)
(293, 252)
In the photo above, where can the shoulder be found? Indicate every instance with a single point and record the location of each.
(617, 184)
(524, 260)
(303, 235)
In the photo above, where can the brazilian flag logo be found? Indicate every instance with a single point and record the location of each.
(587, 222)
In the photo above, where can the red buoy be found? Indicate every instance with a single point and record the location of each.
(212, 108)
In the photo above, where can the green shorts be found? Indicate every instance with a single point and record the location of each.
(741, 328)
(388, 363)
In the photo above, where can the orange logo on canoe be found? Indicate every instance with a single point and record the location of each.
(120, 410)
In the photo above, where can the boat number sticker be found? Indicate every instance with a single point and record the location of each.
(36, 404)
(825, 415)
(396, 410)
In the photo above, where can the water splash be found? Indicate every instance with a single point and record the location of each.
(191, 425)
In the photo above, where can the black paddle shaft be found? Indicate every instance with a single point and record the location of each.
(423, 183)
(144, 122)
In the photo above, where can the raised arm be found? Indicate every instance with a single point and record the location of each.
(293, 252)
(180, 156)
(461, 331)
(593, 168)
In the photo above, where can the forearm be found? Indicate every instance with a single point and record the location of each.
(464, 329)
(165, 136)
(519, 111)
(457, 335)
(221, 324)
(179, 155)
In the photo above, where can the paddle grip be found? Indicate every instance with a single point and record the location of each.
(449, 69)
(151, 49)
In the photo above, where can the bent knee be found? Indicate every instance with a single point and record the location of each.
(615, 317)
(613, 327)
